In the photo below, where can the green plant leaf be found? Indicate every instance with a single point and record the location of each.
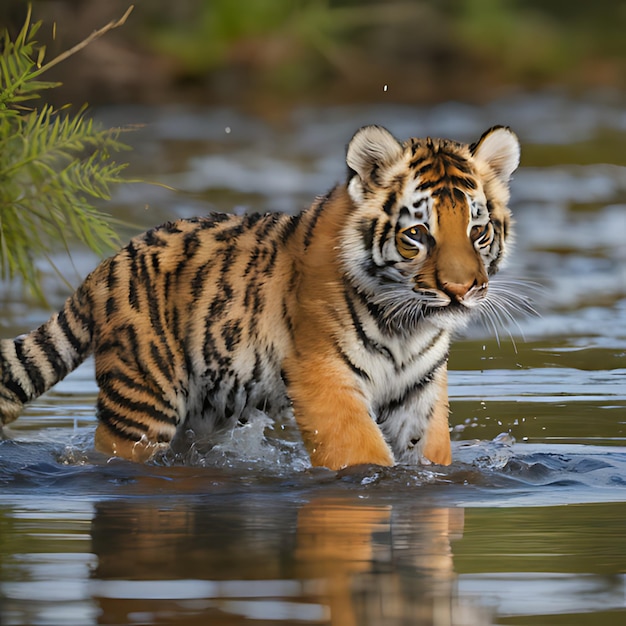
(54, 165)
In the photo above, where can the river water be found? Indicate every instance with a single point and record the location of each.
(527, 526)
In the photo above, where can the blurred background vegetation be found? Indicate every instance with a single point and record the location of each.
(270, 53)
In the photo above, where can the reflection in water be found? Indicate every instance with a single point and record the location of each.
(377, 567)
(346, 563)
(336, 558)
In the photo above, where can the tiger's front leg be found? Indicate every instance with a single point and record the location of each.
(436, 447)
(332, 414)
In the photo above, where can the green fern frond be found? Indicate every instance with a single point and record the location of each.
(53, 166)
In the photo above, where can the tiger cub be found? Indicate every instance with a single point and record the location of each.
(342, 314)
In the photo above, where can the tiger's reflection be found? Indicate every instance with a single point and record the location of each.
(228, 560)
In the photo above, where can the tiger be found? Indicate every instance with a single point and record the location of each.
(340, 316)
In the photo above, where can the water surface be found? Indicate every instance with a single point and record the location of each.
(525, 527)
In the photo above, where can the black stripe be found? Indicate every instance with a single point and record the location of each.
(165, 366)
(422, 353)
(383, 236)
(429, 184)
(171, 228)
(8, 397)
(290, 227)
(270, 222)
(288, 321)
(251, 219)
(462, 181)
(458, 196)
(229, 234)
(142, 408)
(227, 261)
(42, 339)
(197, 282)
(111, 306)
(109, 419)
(346, 359)
(167, 284)
(389, 203)
(252, 261)
(155, 262)
(76, 306)
(69, 334)
(131, 336)
(128, 382)
(369, 344)
(442, 193)
(416, 388)
(374, 311)
(152, 238)
(32, 369)
(209, 349)
(131, 250)
(316, 211)
(111, 279)
(14, 387)
(133, 296)
(413, 390)
(155, 320)
(191, 244)
(210, 221)
(231, 334)
(271, 261)
(459, 162)
(424, 168)
(367, 229)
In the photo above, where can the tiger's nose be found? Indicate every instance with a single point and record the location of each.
(459, 290)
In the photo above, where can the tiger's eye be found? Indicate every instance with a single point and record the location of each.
(419, 234)
(481, 231)
(411, 240)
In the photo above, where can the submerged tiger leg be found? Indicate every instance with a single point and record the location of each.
(114, 438)
(436, 446)
(134, 422)
(139, 409)
(333, 417)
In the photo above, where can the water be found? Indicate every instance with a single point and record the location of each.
(525, 527)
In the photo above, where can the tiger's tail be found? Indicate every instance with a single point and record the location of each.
(30, 364)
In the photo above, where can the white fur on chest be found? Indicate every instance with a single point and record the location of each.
(400, 362)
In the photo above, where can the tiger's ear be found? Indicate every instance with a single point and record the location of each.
(371, 148)
(499, 148)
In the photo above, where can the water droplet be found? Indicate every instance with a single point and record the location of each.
(227, 130)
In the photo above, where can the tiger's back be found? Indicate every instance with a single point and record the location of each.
(343, 313)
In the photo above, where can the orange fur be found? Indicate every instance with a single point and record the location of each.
(336, 426)
(436, 447)
(111, 444)
(335, 422)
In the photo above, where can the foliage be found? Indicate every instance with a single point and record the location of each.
(292, 45)
(53, 166)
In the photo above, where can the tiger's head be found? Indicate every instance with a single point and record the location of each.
(430, 223)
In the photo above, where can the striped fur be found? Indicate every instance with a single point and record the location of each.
(342, 314)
